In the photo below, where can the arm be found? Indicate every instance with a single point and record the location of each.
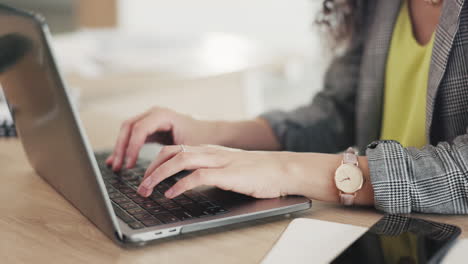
(250, 135)
(433, 179)
(327, 123)
(255, 173)
(313, 175)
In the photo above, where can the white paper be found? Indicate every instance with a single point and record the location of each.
(458, 253)
(312, 241)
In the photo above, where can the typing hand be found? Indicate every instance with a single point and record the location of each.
(158, 125)
(254, 173)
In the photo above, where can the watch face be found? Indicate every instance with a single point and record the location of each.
(348, 178)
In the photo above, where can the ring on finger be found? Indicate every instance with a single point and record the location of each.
(183, 148)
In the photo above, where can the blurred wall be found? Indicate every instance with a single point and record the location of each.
(280, 23)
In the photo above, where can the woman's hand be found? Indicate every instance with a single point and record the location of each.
(255, 173)
(169, 127)
(158, 125)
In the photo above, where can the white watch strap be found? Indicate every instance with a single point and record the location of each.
(350, 156)
(347, 199)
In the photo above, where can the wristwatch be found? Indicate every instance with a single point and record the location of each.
(348, 177)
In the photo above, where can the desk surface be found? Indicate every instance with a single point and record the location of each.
(38, 225)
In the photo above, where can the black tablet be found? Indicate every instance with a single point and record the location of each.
(401, 239)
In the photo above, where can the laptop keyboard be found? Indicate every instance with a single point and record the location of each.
(139, 212)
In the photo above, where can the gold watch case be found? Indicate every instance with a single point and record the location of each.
(349, 178)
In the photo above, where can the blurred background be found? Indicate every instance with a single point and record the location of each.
(211, 58)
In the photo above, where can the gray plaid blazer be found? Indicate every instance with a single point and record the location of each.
(348, 112)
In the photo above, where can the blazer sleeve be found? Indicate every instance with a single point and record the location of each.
(327, 124)
(433, 179)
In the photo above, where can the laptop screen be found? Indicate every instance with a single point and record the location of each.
(49, 129)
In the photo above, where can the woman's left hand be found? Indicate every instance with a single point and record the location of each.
(254, 173)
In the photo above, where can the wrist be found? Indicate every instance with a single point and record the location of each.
(366, 194)
(227, 133)
(311, 175)
(253, 134)
(219, 133)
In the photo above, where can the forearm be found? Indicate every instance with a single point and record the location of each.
(253, 134)
(313, 177)
(432, 179)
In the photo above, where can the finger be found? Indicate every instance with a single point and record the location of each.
(166, 153)
(180, 162)
(140, 131)
(110, 160)
(195, 179)
(122, 141)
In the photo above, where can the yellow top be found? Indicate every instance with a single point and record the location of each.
(407, 73)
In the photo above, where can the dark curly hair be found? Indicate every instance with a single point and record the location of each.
(340, 20)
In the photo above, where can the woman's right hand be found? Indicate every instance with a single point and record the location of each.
(163, 126)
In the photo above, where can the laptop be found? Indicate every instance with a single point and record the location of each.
(57, 148)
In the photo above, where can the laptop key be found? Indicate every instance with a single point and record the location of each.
(162, 187)
(119, 185)
(112, 181)
(123, 215)
(133, 195)
(127, 175)
(208, 204)
(162, 200)
(135, 211)
(183, 200)
(196, 210)
(166, 218)
(170, 205)
(156, 210)
(127, 190)
(136, 225)
(156, 195)
(110, 189)
(151, 222)
(115, 195)
(121, 200)
(127, 206)
(181, 214)
(215, 210)
(134, 183)
(150, 204)
(143, 216)
(140, 200)
(169, 181)
(109, 176)
(196, 196)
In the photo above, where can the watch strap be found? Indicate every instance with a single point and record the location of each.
(347, 199)
(350, 156)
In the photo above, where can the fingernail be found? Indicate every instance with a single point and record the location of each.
(169, 193)
(147, 183)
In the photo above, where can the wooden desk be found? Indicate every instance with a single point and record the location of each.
(38, 226)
